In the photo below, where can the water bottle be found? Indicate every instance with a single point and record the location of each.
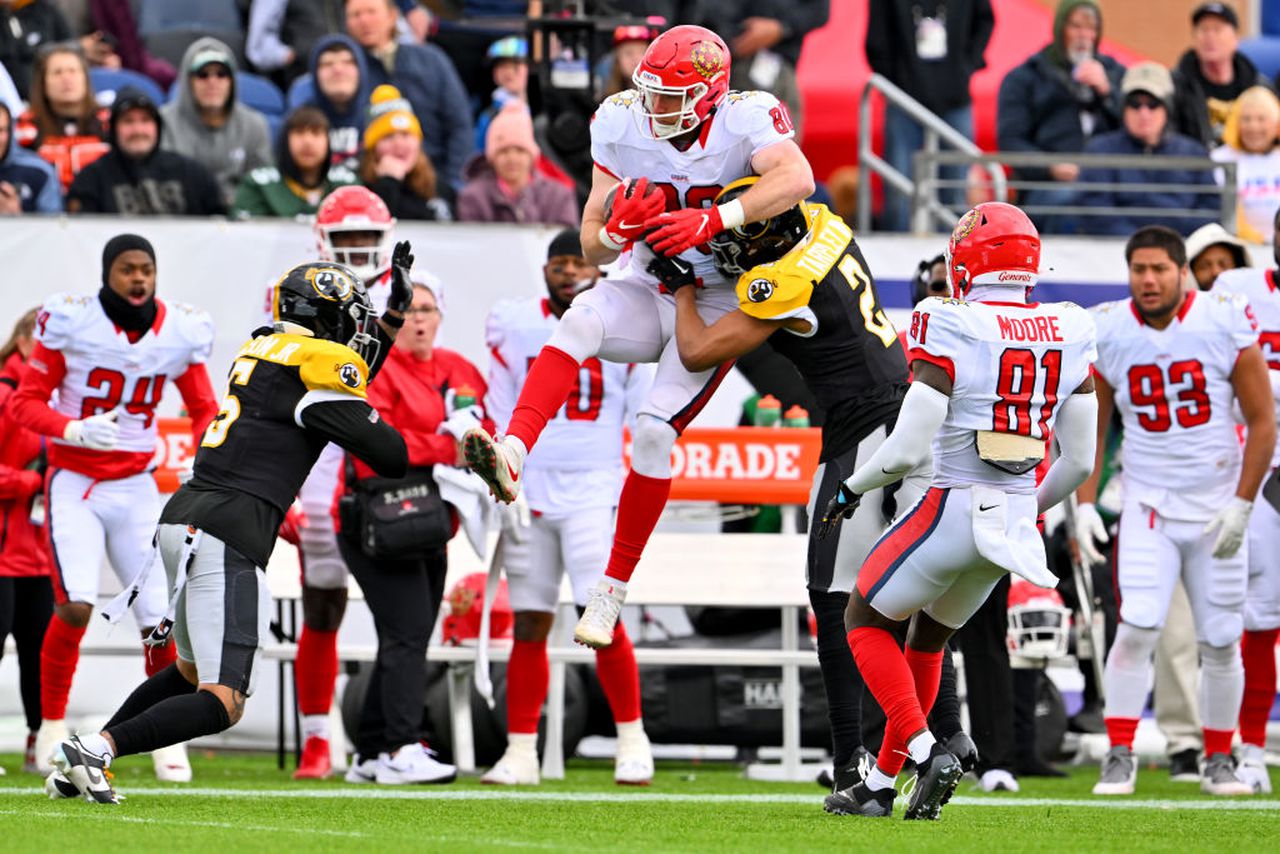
(464, 397)
(796, 416)
(768, 411)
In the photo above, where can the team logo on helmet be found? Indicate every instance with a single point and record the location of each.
(707, 60)
(349, 374)
(965, 226)
(331, 283)
(759, 290)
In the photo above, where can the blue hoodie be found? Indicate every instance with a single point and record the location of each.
(30, 175)
(346, 127)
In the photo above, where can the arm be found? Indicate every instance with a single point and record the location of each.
(702, 347)
(197, 396)
(1077, 434)
(1252, 385)
(1087, 493)
(29, 403)
(19, 484)
(923, 411)
(250, 200)
(263, 45)
(352, 423)
(593, 220)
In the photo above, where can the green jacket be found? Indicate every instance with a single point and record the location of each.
(264, 192)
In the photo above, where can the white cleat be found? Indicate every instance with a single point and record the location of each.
(595, 627)
(1219, 777)
(413, 763)
(1253, 768)
(172, 764)
(363, 769)
(48, 737)
(498, 464)
(517, 767)
(998, 780)
(86, 770)
(633, 765)
(57, 786)
(1119, 772)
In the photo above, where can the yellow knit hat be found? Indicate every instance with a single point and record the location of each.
(389, 112)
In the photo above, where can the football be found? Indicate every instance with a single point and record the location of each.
(628, 187)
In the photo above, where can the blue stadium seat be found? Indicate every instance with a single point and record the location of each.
(1264, 51)
(300, 92)
(1271, 17)
(107, 81)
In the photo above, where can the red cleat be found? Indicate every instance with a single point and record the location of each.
(315, 763)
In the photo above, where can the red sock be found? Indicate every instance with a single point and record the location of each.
(639, 507)
(58, 659)
(528, 675)
(1217, 741)
(886, 672)
(316, 670)
(1259, 652)
(926, 673)
(1121, 730)
(546, 388)
(619, 677)
(157, 658)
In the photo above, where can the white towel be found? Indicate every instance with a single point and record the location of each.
(470, 497)
(1010, 539)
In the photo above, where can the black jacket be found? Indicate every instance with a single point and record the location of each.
(798, 18)
(1190, 102)
(943, 84)
(23, 31)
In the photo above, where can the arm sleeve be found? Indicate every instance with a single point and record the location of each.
(1076, 429)
(18, 484)
(263, 45)
(29, 403)
(197, 395)
(356, 426)
(923, 411)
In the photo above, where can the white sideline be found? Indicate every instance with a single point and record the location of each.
(372, 793)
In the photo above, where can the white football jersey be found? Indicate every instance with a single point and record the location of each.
(105, 371)
(1181, 455)
(744, 124)
(1262, 291)
(1011, 367)
(578, 460)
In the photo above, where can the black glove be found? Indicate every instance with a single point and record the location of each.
(839, 508)
(674, 273)
(401, 285)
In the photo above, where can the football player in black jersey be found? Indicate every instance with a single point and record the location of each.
(294, 387)
(804, 286)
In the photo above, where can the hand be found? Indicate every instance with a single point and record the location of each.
(462, 420)
(839, 508)
(681, 230)
(1092, 74)
(30, 482)
(1231, 523)
(633, 207)
(515, 518)
(391, 167)
(186, 471)
(757, 34)
(401, 283)
(673, 273)
(1090, 530)
(1064, 172)
(97, 432)
(419, 21)
(10, 201)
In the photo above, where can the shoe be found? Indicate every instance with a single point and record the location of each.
(936, 779)
(517, 767)
(29, 764)
(172, 765)
(85, 770)
(362, 770)
(316, 763)
(48, 737)
(853, 772)
(1088, 720)
(604, 604)
(1184, 766)
(859, 800)
(961, 746)
(57, 786)
(633, 765)
(1119, 771)
(496, 463)
(413, 763)
(1219, 777)
(1253, 768)
(998, 780)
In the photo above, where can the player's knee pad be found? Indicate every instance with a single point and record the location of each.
(651, 446)
(1222, 658)
(322, 609)
(579, 333)
(1141, 610)
(1221, 629)
(1134, 646)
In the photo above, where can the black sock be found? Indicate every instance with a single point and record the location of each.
(944, 720)
(167, 683)
(170, 721)
(840, 675)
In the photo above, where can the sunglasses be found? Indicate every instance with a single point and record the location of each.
(206, 73)
(1138, 102)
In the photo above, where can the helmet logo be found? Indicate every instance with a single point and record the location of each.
(349, 374)
(331, 283)
(649, 77)
(759, 290)
(707, 59)
(965, 226)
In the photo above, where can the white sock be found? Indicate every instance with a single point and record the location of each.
(1221, 685)
(630, 729)
(97, 745)
(920, 747)
(878, 781)
(1128, 672)
(315, 726)
(525, 742)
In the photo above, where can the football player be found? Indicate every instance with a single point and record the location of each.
(105, 360)
(1174, 364)
(571, 483)
(292, 389)
(992, 375)
(685, 136)
(803, 285)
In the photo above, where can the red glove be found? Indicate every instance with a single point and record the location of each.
(294, 521)
(633, 205)
(681, 230)
(31, 482)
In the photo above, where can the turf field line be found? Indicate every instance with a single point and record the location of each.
(99, 813)
(370, 793)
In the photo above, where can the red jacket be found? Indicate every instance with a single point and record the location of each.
(24, 550)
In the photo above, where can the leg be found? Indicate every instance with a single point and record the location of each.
(130, 508)
(1261, 630)
(33, 609)
(1177, 668)
(902, 138)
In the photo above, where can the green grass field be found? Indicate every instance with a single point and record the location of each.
(241, 802)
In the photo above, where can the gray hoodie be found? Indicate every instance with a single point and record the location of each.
(230, 152)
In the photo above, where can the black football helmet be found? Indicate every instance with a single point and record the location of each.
(739, 249)
(330, 300)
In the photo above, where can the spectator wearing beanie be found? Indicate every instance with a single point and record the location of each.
(394, 165)
(304, 175)
(504, 186)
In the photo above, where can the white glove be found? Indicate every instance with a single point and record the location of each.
(186, 471)
(97, 432)
(516, 519)
(1231, 523)
(462, 420)
(1090, 530)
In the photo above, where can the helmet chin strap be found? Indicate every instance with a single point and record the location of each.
(287, 327)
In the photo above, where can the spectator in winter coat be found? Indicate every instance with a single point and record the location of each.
(116, 19)
(25, 27)
(394, 165)
(1251, 140)
(1211, 75)
(504, 186)
(27, 183)
(136, 177)
(303, 177)
(1211, 251)
(206, 121)
(338, 84)
(64, 124)
(508, 60)
(1147, 93)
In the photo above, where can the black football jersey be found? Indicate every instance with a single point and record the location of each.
(287, 397)
(851, 360)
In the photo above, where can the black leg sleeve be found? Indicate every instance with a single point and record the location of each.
(944, 720)
(170, 721)
(840, 675)
(165, 684)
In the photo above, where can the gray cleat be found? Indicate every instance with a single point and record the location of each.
(1119, 771)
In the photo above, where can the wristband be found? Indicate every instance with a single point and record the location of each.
(393, 322)
(731, 214)
(608, 242)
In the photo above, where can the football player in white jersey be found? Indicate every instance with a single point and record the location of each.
(1173, 363)
(684, 136)
(1262, 602)
(571, 483)
(106, 359)
(993, 375)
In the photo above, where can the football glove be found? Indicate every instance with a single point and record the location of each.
(97, 432)
(677, 231)
(633, 207)
(401, 284)
(839, 508)
(1230, 523)
(1090, 530)
(673, 273)
(460, 421)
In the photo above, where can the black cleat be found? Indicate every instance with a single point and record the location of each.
(859, 800)
(936, 779)
(850, 775)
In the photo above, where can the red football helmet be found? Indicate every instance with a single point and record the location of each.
(993, 244)
(1039, 624)
(465, 600)
(357, 211)
(686, 62)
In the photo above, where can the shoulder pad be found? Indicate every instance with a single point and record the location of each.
(60, 316)
(738, 105)
(265, 175)
(771, 292)
(196, 326)
(503, 317)
(322, 365)
(612, 117)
